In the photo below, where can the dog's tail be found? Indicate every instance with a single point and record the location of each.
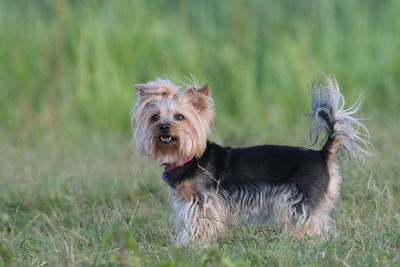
(344, 133)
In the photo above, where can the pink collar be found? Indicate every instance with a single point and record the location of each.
(172, 166)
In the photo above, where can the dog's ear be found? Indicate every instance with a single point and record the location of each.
(198, 97)
(203, 90)
(141, 87)
(159, 88)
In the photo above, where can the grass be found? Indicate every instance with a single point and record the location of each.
(91, 201)
(77, 60)
(74, 193)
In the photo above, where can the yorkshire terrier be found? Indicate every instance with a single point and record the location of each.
(212, 186)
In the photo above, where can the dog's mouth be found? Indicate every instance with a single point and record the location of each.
(166, 139)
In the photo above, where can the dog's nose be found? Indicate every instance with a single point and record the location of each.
(164, 128)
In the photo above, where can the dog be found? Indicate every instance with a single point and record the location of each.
(212, 186)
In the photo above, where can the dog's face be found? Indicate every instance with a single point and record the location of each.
(173, 128)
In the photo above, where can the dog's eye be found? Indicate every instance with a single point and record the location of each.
(179, 117)
(155, 117)
(164, 94)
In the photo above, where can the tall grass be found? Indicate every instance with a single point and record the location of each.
(69, 62)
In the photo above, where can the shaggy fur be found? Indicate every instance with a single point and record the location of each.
(214, 186)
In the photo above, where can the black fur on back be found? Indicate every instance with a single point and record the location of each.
(250, 167)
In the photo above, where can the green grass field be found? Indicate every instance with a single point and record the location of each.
(74, 193)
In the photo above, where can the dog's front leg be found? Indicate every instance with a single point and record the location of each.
(198, 221)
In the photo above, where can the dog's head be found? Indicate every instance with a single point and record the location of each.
(170, 125)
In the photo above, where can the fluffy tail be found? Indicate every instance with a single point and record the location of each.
(344, 133)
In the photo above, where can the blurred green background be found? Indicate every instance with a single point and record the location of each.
(74, 193)
(68, 64)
